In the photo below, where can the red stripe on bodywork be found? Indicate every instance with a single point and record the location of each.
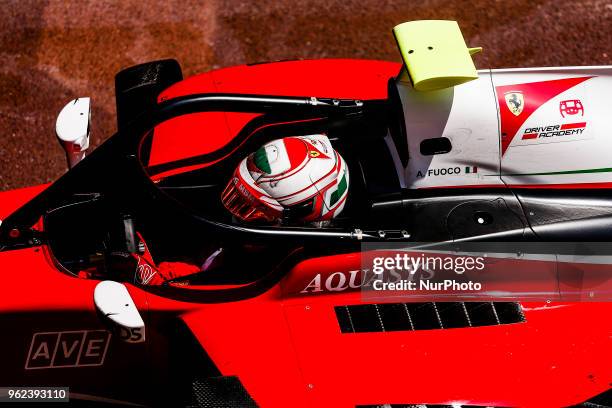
(535, 94)
(573, 125)
(528, 136)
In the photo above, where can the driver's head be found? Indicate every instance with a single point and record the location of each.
(301, 178)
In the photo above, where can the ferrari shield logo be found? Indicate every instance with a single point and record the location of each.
(515, 101)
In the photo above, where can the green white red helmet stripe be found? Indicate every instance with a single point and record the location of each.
(298, 158)
(261, 160)
(342, 188)
(336, 195)
(280, 157)
(313, 187)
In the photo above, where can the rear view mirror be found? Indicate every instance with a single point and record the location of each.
(114, 303)
(72, 129)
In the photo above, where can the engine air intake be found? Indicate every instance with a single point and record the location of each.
(387, 317)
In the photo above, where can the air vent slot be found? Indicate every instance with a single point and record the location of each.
(437, 145)
(388, 317)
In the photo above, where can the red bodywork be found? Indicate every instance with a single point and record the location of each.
(286, 346)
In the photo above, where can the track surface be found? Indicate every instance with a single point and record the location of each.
(53, 51)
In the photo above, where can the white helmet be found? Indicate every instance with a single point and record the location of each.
(301, 176)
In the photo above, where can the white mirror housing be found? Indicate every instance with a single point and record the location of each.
(72, 129)
(114, 303)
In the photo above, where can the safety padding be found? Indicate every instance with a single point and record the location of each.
(434, 53)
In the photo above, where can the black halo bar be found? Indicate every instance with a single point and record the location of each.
(121, 148)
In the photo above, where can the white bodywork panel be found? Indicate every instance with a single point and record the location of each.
(582, 153)
(465, 114)
(513, 126)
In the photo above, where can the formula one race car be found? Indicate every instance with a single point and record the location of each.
(191, 261)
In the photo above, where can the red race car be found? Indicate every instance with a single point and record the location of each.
(137, 278)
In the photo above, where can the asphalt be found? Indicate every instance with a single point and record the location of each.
(53, 51)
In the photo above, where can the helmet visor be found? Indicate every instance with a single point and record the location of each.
(243, 204)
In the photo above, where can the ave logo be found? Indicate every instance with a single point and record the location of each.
(83, 348)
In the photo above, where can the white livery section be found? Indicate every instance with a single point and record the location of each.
(539, 126)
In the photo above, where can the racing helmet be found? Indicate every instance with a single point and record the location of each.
(300, 178)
